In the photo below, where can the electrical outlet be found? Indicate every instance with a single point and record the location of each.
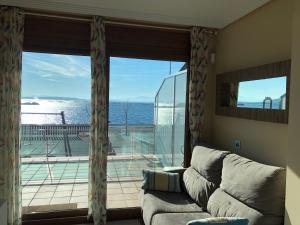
(237, 144)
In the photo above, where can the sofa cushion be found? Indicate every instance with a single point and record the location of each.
(155, 202)
(204, 174)
(221, 204)
(177, 218)
(208, 162)
(259, 186)
(161, 181)
(198, 188)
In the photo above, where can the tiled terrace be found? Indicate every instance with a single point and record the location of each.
(53, 181)
(58, 183)
(38, 198)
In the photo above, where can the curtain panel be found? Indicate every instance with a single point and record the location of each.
(199, 63)
(99, 125)
(11, 42)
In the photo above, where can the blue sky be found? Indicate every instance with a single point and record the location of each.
(69, 76)
(130, 79)
(256, 91)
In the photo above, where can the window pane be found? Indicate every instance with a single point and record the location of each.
(145, 119)
(55, 123)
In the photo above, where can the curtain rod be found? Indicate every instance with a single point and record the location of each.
(107, 21)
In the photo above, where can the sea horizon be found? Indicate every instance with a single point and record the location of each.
(139, 99)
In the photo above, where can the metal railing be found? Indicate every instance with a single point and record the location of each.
(73, 139)
(33, 132)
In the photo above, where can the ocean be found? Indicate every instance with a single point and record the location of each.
(78, 111)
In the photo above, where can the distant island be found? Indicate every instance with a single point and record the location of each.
(139, 99)
(50, 98)
(30, 103)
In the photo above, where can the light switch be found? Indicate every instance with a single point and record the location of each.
(237, 145)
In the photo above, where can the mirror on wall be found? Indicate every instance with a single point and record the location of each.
(258, 93)
(267, 93)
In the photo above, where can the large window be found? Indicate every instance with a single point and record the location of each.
(146, 128)
(146, 123)
(145, 132)
(55, 124)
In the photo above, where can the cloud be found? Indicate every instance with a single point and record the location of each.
(45, 75)
(53, 80)
(53, 65)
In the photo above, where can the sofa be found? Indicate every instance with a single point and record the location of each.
(219, 184)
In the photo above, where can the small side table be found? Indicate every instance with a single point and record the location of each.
(3, 212)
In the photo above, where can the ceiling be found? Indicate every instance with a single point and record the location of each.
(209, 13)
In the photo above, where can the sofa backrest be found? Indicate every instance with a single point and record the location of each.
(250, 189)
(203, 177)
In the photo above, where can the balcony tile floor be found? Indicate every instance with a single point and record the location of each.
(58, 183)
(61, 170)
(70, 196)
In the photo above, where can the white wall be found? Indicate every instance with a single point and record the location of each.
(263, 36)
(293, 154)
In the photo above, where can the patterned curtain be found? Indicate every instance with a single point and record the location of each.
(234, 91)
(197, 86)
(11, 42)
(99, 126)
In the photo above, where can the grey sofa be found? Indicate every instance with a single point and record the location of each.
(220, 184)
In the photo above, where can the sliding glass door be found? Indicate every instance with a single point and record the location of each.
(146, 123)
(55, 123)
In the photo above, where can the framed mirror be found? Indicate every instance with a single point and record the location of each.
(257, 93)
